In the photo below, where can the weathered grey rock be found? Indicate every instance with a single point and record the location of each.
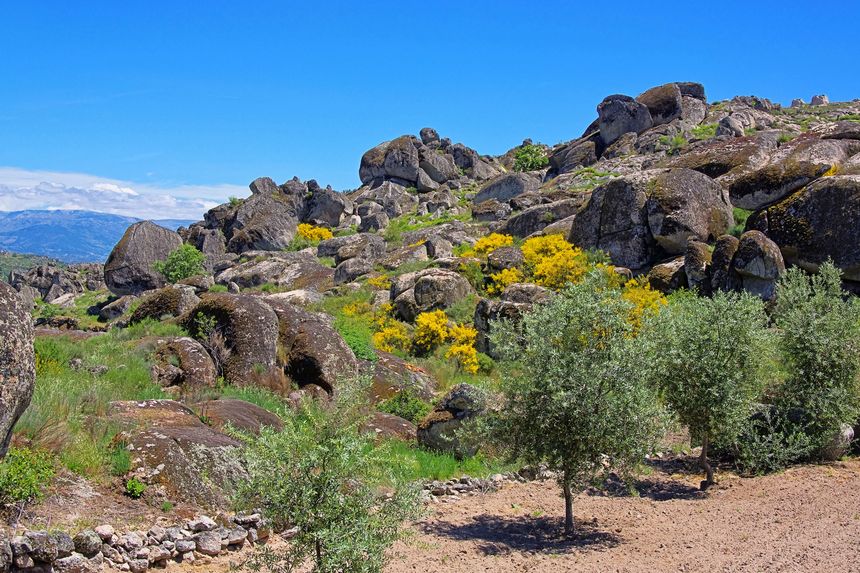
(669, 276)
(438, 431)
(129, 268)
(428, 135)
(72, 564)
(475, 166)
(438, 247)
(797, 102)
(43, 546)
(310, 349)
(697, 262)
(365, 245)
(505, 258)
(65, 544)
(208, 543)
(663, 102)
(620, 114)
(166, 302)
(537, 218)
(506, 187)
(514, 303)
(374, 222)
(391, 195)
(439, 167)
(430, 289)
(820, 100)
(491, 210)
(636, 217)
(17, 362)
(693, 110)
(351, 269)
(730, 126)
(88, 543)
(759, 263)
(723, 276)
(817, 223)
(264, 222)
(328, 207)
(192, 367)
(171, 448)
(293, 270)
(575, 155)
(238, 413)
(264, 185)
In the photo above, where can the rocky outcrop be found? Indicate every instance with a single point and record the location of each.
(817, 223)
(619, 114)
(17, 362)
(392, 375)
(759, 263)
(238, 414)
(506, 187)
(129, 268)
(638, 219)
(310, 349)
(49, 283)
(363, 245)
(182, 364)
(175, 453)
(296, 270)
(423, 291)
(170, 301)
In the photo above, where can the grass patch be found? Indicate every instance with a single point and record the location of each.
(79, 311)
(67, 415)
(24, 475)
(741, 216)
(355, 330)
(704, 131)
(405, 223)
(265, 399)
(414, 463)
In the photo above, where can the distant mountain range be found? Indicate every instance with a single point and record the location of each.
(70, 236)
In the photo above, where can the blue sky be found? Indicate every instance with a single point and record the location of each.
(178, 103)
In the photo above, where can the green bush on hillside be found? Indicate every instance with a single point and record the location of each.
(183, 262)
(530, 158)
(24, 475)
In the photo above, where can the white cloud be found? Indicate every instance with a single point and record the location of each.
(25, 189)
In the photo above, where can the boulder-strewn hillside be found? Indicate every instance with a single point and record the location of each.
(297, 289)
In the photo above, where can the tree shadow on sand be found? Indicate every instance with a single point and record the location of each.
(497, 535)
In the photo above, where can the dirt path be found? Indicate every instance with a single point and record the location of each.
(806, 519)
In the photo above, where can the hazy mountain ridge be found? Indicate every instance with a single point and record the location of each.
(70, 236)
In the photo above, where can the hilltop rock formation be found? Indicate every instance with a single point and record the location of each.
(129, 268)
(17, 362)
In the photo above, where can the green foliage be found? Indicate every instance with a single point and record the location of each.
(166, 506)
(784, 138)
(472, 272)
(120, 461)
(183, 262)
(855, 117)
(673, 144)
(407, 405)
(235, 201)
(355, 329)
(67, 413)
(262, 397)
(216, 288)
(24, 475)
(572, 396)
(405, 223)
(820, 344)
(704, 131)
(134, 488)
(80, 310)
(322, 475)
(741, 216)
(412, 463)
(704, 357)
(463, 311)
(530, 158)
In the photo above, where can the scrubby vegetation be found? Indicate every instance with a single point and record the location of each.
(530, 157)
(183, 262)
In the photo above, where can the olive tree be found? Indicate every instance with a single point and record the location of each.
(571, 397)
(820, 345)
(703, 354)
(322, 475)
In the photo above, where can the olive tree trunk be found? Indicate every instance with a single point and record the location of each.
(705, 465)
(568, 506)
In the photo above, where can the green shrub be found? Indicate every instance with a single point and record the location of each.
(407, 405)
(472, 272)
(463, 311)
(530, 158)
(572, 397)
(322, 475)
(820, 344)
(120, 460)
(218, 288)
(134, 488)
(24, 475)
(704, 357)
(673, 144)
(704, 131)
(183, 262)
(234, 201)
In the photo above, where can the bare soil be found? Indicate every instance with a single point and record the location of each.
(805, 519)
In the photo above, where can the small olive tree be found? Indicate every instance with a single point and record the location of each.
(323, 476)
(820, 345)
(184, 261)
(703, 354)
(571, 397)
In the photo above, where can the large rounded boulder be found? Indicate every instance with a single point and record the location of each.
(640, 218)
(17, 362)
(245, 331)
(817, 223)
(129, 268)
(427, 290)
(620, 114)
(759, 263)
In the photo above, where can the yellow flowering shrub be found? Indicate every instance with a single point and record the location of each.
(466, 355)
(357, 309)
(392, 337)
(462, 334)
(537, 249)
(561, 268)
(313, 233)
(646, 301)
(501, 280)
(380, 281)
(431, 330)
(489, 243)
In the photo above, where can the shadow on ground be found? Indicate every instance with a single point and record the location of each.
(499, 535)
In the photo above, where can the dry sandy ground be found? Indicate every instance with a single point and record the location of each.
(806, 519)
